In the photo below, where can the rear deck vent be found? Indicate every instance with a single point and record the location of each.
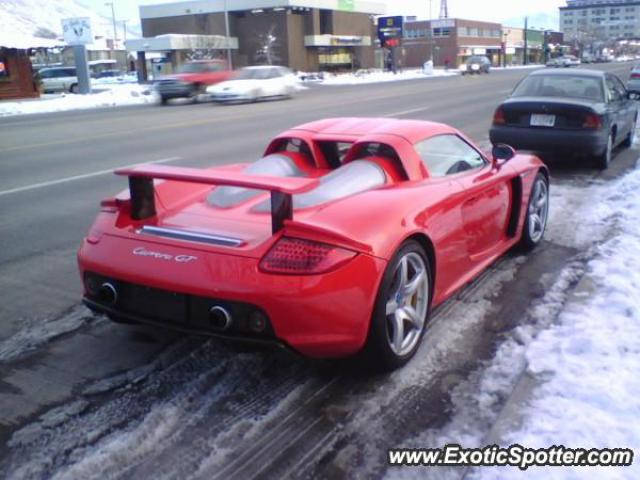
(190, 236)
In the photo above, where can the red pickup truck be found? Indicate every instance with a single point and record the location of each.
(192, 79)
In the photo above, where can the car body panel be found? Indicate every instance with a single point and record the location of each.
(462, 220)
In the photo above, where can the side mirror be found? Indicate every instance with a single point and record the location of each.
(633, 95)
(502, 151)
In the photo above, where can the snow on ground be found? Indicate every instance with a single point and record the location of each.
(105, 95)
(378, 76)
(585, 363)
(33, 336)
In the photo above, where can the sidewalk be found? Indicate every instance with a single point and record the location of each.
(105, 95)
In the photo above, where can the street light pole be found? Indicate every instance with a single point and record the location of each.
(226, 33)
(113, 18)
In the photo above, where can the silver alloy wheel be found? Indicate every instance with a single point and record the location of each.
(407, 304)
(538, 209)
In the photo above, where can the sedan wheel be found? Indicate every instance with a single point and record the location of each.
(402, 307)
(537, 213)
(628, 140)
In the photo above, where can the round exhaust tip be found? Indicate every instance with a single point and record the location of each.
(108, 293)
(219, 318)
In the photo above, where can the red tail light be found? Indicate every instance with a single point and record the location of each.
(303, 257)
(498, 117)
(592, 121)
(635, 74)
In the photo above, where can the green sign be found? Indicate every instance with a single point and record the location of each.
(348, 5)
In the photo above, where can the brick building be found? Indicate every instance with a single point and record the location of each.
(307, 35)
(451, 39)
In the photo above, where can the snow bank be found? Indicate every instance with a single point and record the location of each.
(581, 349)
(377, 76)
(589, 361)
(105, 95)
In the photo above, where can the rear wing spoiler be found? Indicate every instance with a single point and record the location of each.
(281, 188)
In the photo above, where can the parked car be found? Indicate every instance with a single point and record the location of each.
(476, 64)
(564, 61)
(288, 250)
(581, 112)
(108, 74)
(251, 84)
(633, 84)
(192, 79)
(58, 79)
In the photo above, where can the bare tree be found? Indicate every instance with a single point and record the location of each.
(267, 47)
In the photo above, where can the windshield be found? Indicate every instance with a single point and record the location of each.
(254, 73)
(575, 86)
(474, 60)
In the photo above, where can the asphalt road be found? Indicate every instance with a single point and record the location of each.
(55, 168)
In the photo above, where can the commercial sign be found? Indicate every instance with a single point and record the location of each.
(390, 30)
(443, 23)
(347, 5)
(77, 31)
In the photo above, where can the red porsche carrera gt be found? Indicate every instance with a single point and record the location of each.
(338, 240)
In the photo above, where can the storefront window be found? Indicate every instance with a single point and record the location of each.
(335, 56)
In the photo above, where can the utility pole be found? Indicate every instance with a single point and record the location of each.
(226, 33)
(526, 55)
(113, 18)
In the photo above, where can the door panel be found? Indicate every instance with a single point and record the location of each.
(485, 210)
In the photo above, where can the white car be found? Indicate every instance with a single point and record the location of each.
(59, 79)
(251, 84)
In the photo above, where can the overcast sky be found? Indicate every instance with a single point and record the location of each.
(490, 10)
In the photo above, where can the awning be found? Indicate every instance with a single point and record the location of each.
(181, 42)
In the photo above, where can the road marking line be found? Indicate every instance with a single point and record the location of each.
(406, 112)
(80, 177)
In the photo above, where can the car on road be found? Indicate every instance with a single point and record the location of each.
(475, 64)
(58, 79)
(567, 113)
(564, 62)
(339, 240)
(251, 84)
(633, 84)
(192, 79)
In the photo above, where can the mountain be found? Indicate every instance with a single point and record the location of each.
(43, 19)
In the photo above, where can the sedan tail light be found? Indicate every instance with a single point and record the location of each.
(498, 117)
(635, 74)
(592, 121)
(296, 256)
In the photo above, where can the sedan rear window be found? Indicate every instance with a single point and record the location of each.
(575, 86)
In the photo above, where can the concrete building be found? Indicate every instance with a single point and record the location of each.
(308, 35)
(591, 21)
(451, 40)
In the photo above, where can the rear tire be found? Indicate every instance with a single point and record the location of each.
(401, 309)
(73, 88)
(164, 100)
(604, 159)
(535, 222)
